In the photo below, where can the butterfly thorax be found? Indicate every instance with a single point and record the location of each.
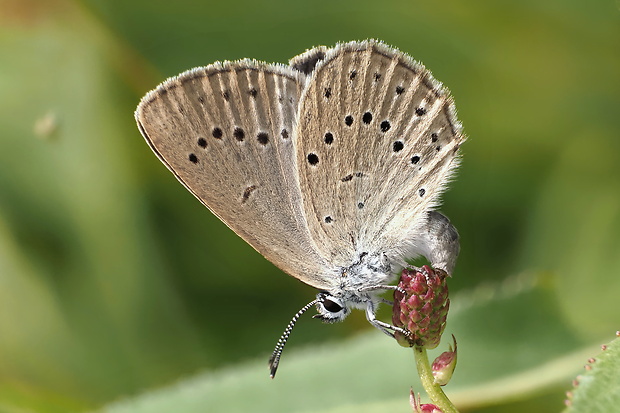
(359, 287)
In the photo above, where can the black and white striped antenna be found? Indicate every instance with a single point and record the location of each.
(274, 360)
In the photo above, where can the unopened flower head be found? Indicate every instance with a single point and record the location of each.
(444, 365)
(421, 306)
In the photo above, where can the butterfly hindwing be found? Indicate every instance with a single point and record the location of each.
(377, 140)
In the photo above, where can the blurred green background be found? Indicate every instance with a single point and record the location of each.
(116, 283)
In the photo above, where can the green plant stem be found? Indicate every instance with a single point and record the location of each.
(434, 391)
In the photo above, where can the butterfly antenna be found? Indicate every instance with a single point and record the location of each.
(274, 360)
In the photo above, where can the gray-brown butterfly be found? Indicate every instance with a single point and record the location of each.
(330, 167)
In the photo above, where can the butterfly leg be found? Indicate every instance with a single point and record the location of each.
(386, 301)
(384, 287)
(385, 327)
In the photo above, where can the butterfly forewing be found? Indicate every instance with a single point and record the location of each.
(377, 139)
(226, 131)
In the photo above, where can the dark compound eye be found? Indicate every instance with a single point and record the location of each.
(331, 306)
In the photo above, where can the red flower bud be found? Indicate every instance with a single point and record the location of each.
(444, 365)
(421, 306)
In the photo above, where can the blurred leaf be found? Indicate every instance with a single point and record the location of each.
(78, 256)
(575, 229)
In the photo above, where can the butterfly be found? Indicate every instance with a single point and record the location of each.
(331, 166)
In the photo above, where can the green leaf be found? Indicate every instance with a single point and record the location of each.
(598, 389)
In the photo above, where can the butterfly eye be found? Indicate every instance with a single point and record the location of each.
(331, 306)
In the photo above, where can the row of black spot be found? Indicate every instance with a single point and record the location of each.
(397, 146)
(253, 92)
(353, 74)
(351, 176)
(328, 219)
(226, 94)
(360, 205)
(385, 125)
(239, 135)
(263, 138)
(313, 159)
(327, 92)
(367, 118)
